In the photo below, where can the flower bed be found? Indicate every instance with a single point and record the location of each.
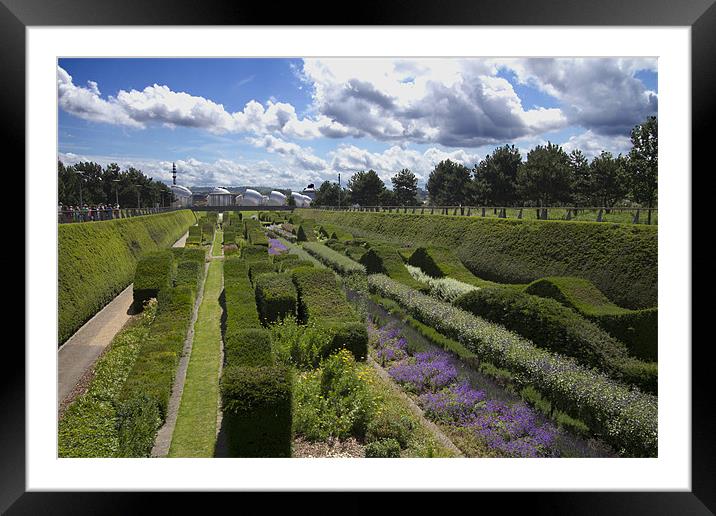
(334, 259)
(626, 418)
(447, 289)
(508, 429)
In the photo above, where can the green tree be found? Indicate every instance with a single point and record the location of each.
(582, 183)
(405, 188)
(327, 194)
(545, 177)
(387, 198)
(365, 188)
(449, 184)
(496, 176)
(643, 166)
(609, 182)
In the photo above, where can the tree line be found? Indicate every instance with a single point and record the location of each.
(109, 185)
(548, 176)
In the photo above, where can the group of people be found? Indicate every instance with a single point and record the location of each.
(87, 213)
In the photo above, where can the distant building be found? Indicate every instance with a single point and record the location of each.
(251, 198)
(310, 192)
(182, 195)
(220, 197)
(302, 201)
(276, 198)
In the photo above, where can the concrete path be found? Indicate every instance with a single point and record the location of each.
(83, 349)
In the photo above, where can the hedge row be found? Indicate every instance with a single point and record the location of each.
(256, 394)
(97, 261)
(621, 260)
(636, 328)
(439, 262)
(229, 236)
(322, 300)
(194, 236)
(276, 297)
(334, 259)
(555, 327)
(384, 259)
(625, 417)
(145, 395)
(155, 272)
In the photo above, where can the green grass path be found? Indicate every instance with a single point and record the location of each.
(217, 248)
(195, 431)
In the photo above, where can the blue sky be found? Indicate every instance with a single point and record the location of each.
(290, 122)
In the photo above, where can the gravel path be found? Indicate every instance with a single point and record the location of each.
(78, 354)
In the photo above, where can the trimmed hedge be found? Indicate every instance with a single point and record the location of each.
(248, 348)
(194, 236)
(257, 410)
(239, 298)
(155, 272)
(254, 253)
(636, 328)
(352, 336)
(229, 236)
(97, 261)
(555, 327)
(334, 259)
(384, 259)
(439, 262)
(276, 297)
(145, 395)
(625, 417)
(620, 259)
(189, 273)
(257, 268)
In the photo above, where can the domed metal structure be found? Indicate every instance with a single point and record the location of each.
(220, 197)
(276, 198)
(302, 201)
(252, 198)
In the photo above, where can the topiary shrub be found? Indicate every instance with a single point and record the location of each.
(372, 262)
(154, 273)
(256, 268)
(553, 326)
(138, 420)
(189, 273)
(275, 296)
(383, 449)
(352, 336)
(248, 348)
(301, 235)
(256, 403)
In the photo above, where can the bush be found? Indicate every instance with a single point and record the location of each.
(239, 298)
(189, 273)
(333, 259)
(254, 253)
(138, 420)
(625, 417)
(447, 289)
(257, 403)
(229, 236)
(319, 296)
(333, 401)
(97, 261)
(383, 449)
(257, 268)
(384, 259)
(194, 236)
(275, 296)
(257, 237)
(620, 259)
(248, 348)
(555, 327)
(88, 429)
(636, 328)
(390, 424)
(154, 273)
(352, 336)
(440, 263)
(189, 254)
(301, 235)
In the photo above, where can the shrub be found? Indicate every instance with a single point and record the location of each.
(636, 328)
(248, 348)
(229, 237)
(440, 263)
(275, 296)
(138, 420)
(334, 259)
(239, 298)
(625, 417)
(254, 253)
(447, 289)
(189, 273)
(257, 237)
(390, 424)
(154, 273)
(383, 449)
(620, 259)
(320, 297)
(257, 268)
(301, 234)
(189, 254)
(553, 326)
(194, 236)
(384, 259)
(333, 401)
(97, 261)
(257, 403)
(88, 429)
(352, 336)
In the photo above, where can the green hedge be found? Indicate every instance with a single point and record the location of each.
(97, 261)
(194, 236)
(439, 262)
(334, 259)
(276, 297)
(248, 348)
(257, 268)
(636, 328)
(624, 417)
(257, 237)
(385, 259)
(229, 236)
(145, 395)
(155, 272)
(239, 298)
(257, 410)
(555, 327)
(254, 253)
(620, 259)
(189, 273)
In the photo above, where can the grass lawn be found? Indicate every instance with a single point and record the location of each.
(216, 247)
(195, 431)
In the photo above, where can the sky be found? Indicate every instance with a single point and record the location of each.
(285, 123)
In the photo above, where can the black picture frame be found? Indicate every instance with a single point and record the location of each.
(700, 15)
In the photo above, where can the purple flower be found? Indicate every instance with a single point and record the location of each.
(426, 371)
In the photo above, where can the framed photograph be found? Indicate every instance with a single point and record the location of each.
(435, 237)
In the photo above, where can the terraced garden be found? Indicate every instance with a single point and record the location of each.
(332, 334)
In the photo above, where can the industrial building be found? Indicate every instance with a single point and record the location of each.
(220, 197)
(182, 195)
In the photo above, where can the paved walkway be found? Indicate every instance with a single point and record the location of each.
(83, 349)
